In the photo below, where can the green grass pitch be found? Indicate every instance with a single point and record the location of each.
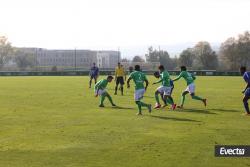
(56, 121)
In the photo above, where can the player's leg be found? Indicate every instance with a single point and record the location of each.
(95, 79)
(197, 97)
(146, 105)
(138, 96)
(139, 107)
(170, 100)
(102, 95)
(109, 98)
(122, 90)
(191, 89)
(90, 81)
(102, 98)
(159, 90)
(121, 83)
(164, 101)
(116, 84)
(168, 97)
(142, 104)
(183, 97)
(157, 105)
(245, 100)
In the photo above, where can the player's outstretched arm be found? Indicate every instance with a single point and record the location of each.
(158, 81)
(176, 79)
(146, 84)
(247, 86)
(128, 85)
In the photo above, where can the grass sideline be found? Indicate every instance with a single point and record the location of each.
(56, 121)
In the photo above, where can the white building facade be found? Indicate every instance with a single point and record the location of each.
(81, 59)
(107, 59)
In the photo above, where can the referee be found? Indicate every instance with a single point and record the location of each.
(119, 74)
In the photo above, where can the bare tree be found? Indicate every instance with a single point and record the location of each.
(205, 56)
(24, 59)
(5, 51)
(138, 59)
(187, 57)
(236, 52)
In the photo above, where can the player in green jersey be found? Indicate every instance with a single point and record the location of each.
(165, 88)
(157, 75)
(189, 78)
(100, 90)
(139, 78)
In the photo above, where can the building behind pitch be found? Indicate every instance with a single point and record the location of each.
(73, 59)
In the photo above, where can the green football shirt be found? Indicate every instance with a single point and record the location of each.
(189, 78)
(138, 78)
(102, 84)
(165, 79)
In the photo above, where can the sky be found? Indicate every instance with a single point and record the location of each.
(121, 24)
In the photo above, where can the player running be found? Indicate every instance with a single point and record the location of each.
(101, 91)
(139, 78)
(190, 86)
(94, 72)
(120, 75)
(246, 91)
(165, 89)
(162, 94)
(157, 75)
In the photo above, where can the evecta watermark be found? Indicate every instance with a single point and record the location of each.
(232, 151)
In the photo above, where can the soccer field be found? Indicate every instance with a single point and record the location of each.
(56, 121)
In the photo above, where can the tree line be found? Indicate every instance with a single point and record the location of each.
(233, 53)
(10, 54)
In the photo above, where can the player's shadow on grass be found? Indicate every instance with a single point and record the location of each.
(174, 119)
(152, 97)
(124, 95)
(224, 110)
(120, 108)
(190, 110)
